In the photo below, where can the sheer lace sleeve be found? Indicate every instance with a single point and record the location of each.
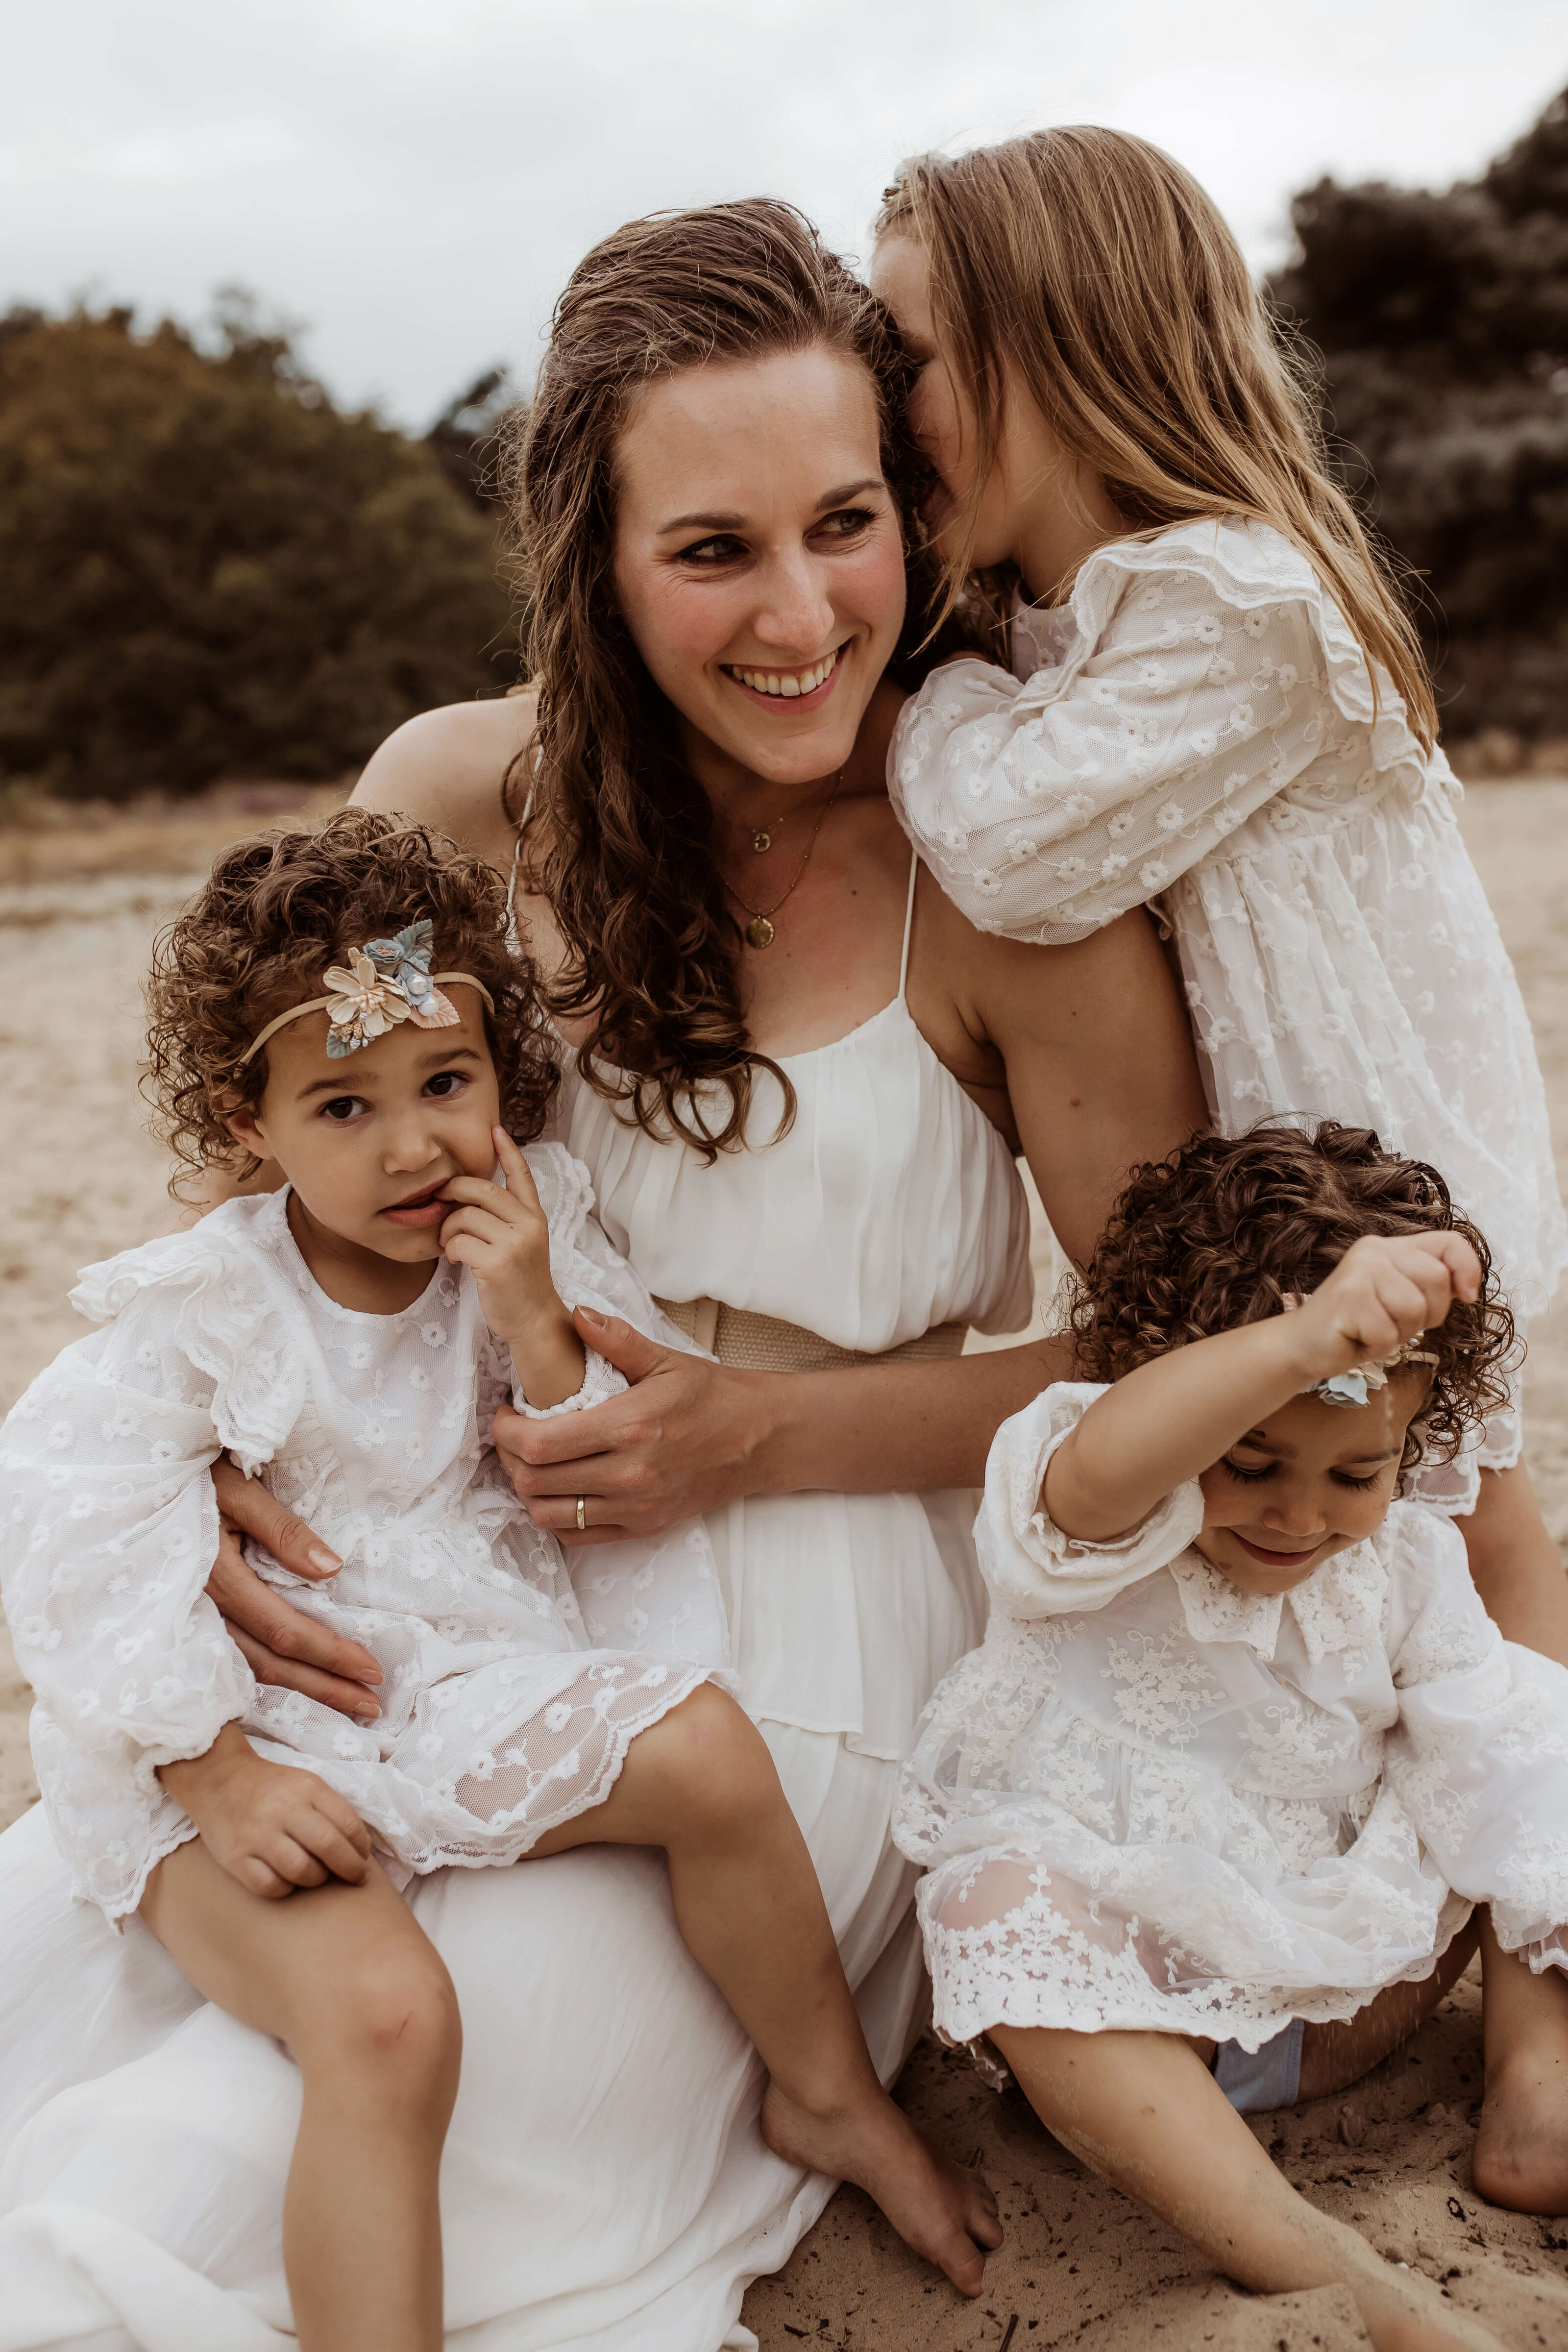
(1479, 1756)
(1193, 678)
(111, 1527)
(1032, 1568)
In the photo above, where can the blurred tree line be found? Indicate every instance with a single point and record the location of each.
(1443, 323)
(207, 570)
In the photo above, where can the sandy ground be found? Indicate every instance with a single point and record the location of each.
(1081, 2266)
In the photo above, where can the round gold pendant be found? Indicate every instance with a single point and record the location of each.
(762, 842)
(760, 931)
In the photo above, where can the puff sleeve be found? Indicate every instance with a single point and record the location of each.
(1033, 1569)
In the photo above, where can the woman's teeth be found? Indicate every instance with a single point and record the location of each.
(787, 683)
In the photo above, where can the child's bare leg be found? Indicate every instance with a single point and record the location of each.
(1334, 2056)
(1522, 2147)
(347, 1979)
(701, 1784)
(1135, 2106)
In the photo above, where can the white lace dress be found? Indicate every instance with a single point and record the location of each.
(1152, 1801)
(500, 1719)
(1196, 728)
(604, 2186)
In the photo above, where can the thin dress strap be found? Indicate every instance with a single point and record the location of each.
(908, 925)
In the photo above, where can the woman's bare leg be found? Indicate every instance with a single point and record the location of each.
(349, 1980)
(1514, 1564)
(701, 1784)
(1135, 2106)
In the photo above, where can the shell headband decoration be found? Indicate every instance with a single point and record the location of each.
(384, 983)
(1351, 1389)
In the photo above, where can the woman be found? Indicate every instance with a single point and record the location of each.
(799, 1094)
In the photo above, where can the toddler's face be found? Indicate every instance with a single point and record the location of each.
(1309, 1481)
(369, 1143)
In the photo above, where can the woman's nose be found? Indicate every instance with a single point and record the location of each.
(795, 615)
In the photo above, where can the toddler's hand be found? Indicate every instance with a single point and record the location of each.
(503, 1234)
(271, 1827)
(1382, 1292)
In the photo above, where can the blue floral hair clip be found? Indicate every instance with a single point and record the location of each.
(384, 983)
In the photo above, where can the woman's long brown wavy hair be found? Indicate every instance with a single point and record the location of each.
(614, 828)
(1101, 272)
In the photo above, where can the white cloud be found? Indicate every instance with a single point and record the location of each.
(416, 177)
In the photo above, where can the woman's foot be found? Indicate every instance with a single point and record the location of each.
(944, 2212)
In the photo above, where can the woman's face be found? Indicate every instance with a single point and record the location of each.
(758, 561)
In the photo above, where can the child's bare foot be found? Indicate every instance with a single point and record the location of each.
(945, 2213)
(1522, 2147)
(1403, 2312)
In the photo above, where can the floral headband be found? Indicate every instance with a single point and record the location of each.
(386, 981)
(1351, 1389)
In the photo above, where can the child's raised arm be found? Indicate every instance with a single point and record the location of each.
(1173, 1418)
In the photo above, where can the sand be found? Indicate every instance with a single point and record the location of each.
(1081, 2266)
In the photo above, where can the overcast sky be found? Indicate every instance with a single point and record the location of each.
(413, 179)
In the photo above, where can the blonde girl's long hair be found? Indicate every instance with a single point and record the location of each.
(1101, 272)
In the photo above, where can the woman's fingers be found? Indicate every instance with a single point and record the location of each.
(247, 1504)
(335, 1691)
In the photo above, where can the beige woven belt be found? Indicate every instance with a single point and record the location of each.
(762, 1343)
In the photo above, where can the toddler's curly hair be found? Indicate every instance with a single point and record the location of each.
(1220, 1231)
(259, 937)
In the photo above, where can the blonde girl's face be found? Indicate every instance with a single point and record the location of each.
(759, 560)
(1307, 1483)
(368, 1142)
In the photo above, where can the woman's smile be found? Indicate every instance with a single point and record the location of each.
(807, 689)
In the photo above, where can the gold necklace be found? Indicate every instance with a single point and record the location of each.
(762, 835)
(760, 932)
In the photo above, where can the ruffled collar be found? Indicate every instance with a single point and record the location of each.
(1337, 1608)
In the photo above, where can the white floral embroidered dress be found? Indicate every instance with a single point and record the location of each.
(1196, 728)
(1151, 1801)
(501, 1716)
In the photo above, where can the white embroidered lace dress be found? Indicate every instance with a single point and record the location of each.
(1196, 728)
(500, 1718)
(605, 2185)
(1152, 1801)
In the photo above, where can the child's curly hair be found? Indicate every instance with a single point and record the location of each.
(1218, 1233)
(275, 912)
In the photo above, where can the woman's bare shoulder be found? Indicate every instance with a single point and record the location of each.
(449, 767)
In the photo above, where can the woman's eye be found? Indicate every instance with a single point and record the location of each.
(704, 553)
(846, 522)
(1246, 1477)
(341, 1108)
(445, 1083)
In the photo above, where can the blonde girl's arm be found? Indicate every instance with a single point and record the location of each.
(1047, 809)
(1170, 1420)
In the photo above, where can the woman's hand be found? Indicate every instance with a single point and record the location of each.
(271, 1826)
(279, 1644)
(685, 1438)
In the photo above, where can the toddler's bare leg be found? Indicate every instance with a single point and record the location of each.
(1521, 2148)
(701, 1784)
(1135, 2106)
(348, 1979)
(1334, 2056)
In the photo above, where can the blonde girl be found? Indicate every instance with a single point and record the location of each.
(1211, 702)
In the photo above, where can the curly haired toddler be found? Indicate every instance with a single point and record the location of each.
(1204, 1817)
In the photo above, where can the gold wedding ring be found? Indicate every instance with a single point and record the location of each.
(582, 1512)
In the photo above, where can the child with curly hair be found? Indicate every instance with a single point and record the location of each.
(1205, 1817)
(346, 1002)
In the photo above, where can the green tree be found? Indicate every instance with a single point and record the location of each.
(207, 570)
(1443, 323)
